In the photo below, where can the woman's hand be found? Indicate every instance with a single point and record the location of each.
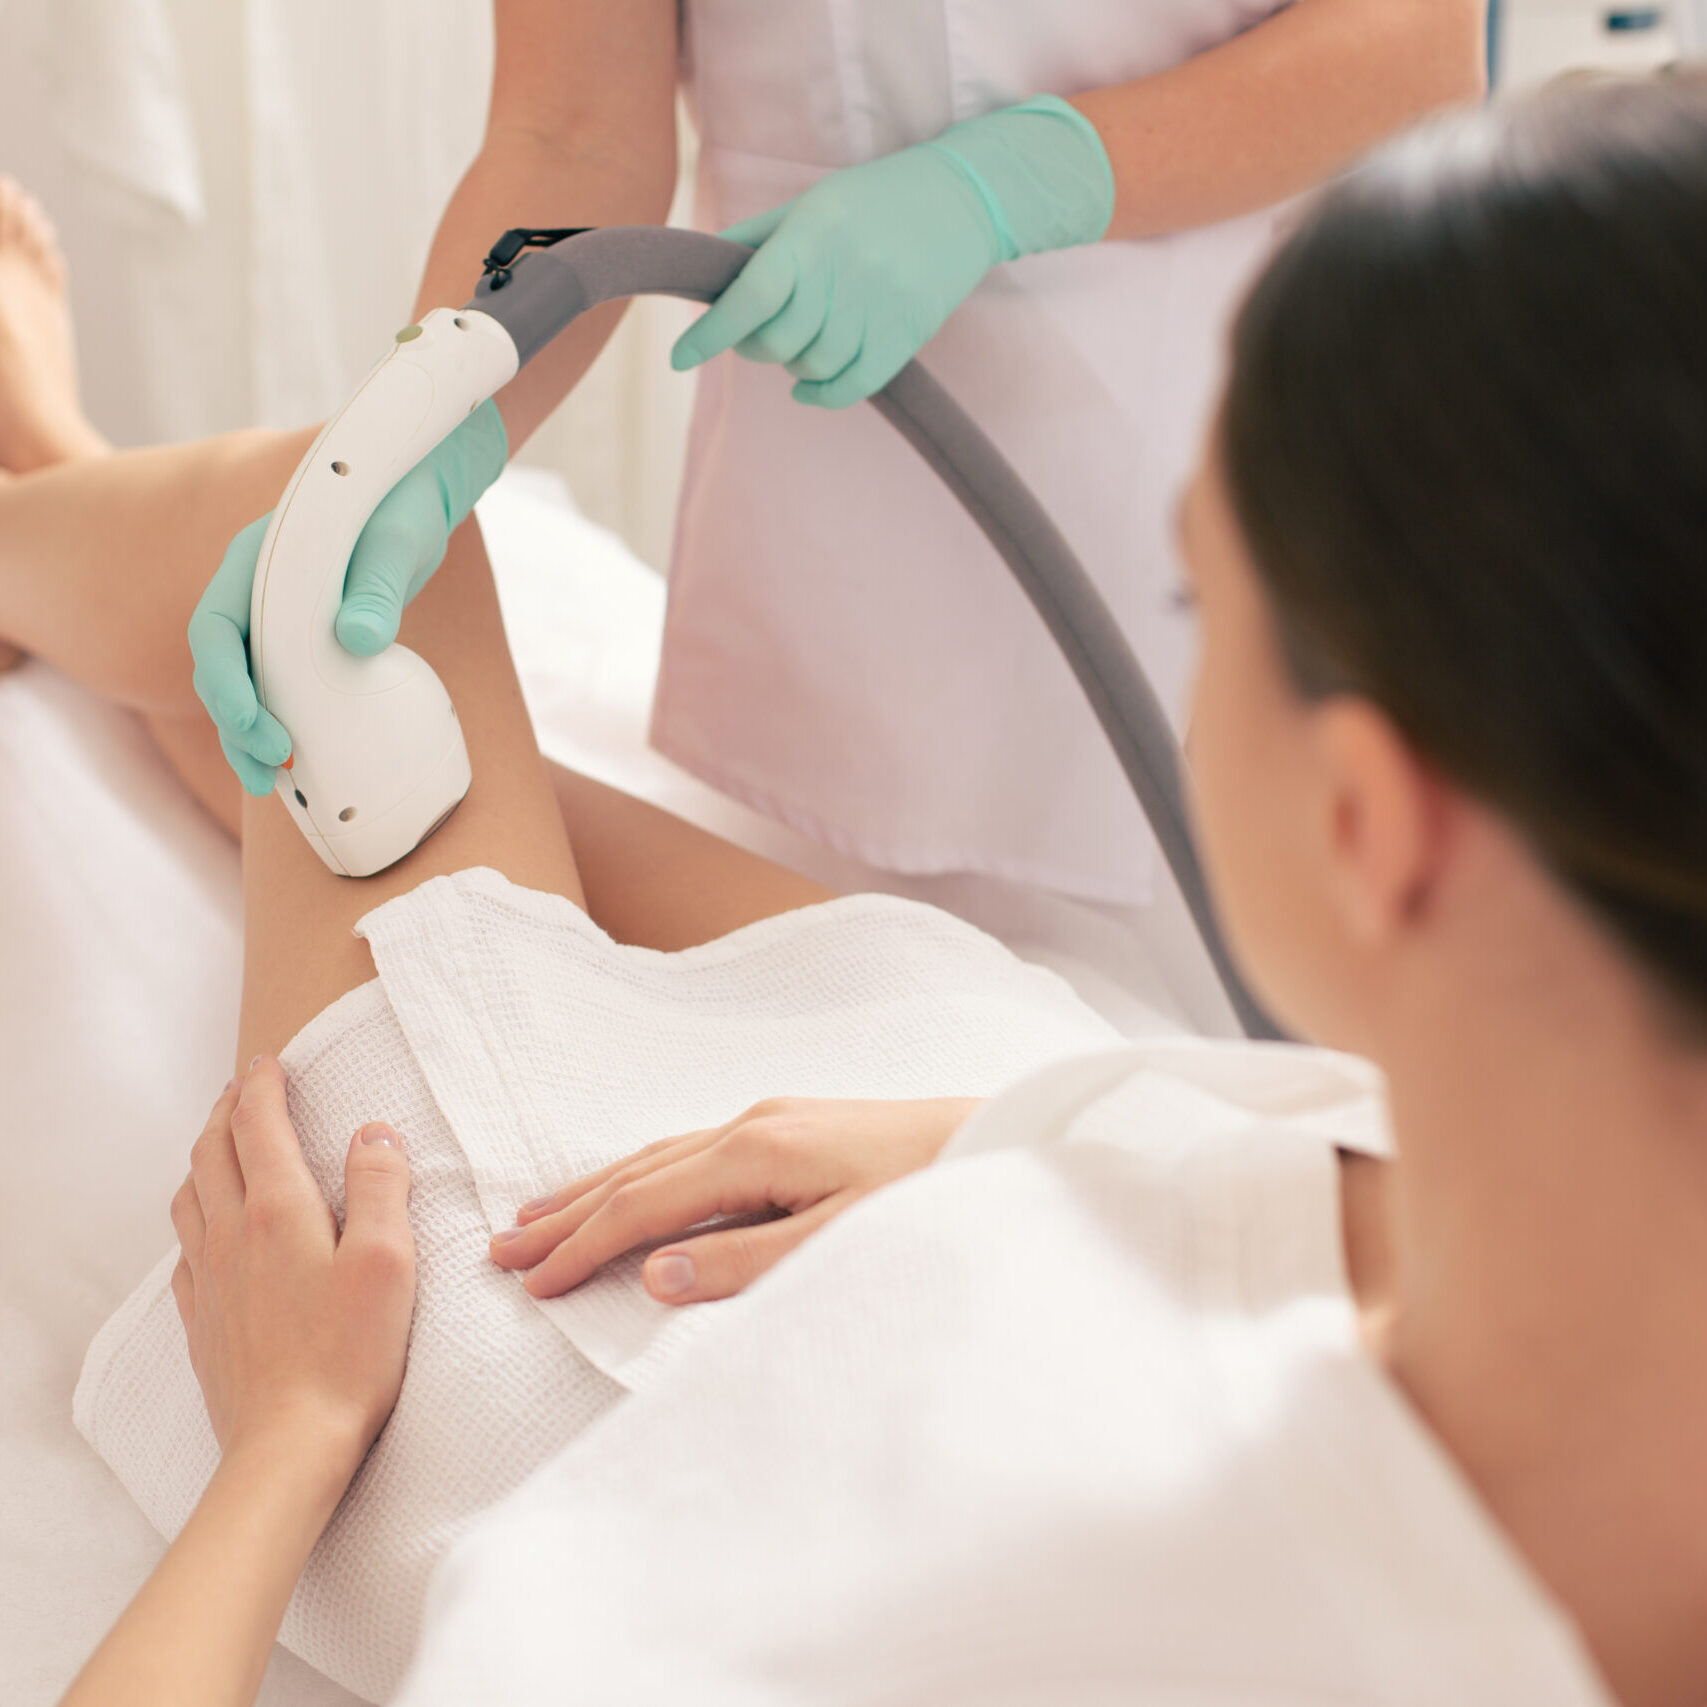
(293, 1328)
(810, 1159)
(298, 1337)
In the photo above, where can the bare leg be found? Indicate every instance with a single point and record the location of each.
(649, 877)
(299, 953)
(103, 556)
(101, 562)
(657, 881)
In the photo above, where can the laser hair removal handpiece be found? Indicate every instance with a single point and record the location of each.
(378, 761)
(377, 756)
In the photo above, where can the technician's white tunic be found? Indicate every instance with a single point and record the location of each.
(1079, 1420)
(844, 651)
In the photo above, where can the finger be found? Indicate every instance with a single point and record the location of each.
(868, 374)
(720, 1264)
(833, 351)
(754, 231)
(231, 591)
(403, 543)
(219, 627)
(578, 1188)
(187, 1220)
(266, 740)
(257, 779)
(760, 290)
(666, 1202)
(792, 328)
(265, 1142)
(523, 1247)
(376, 1190)
(221, 676)
(214, 1170)
(184, 1292)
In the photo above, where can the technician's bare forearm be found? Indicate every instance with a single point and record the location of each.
(1284, 106)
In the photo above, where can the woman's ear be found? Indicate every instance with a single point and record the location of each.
(1385, 818)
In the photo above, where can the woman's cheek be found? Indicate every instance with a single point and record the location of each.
(1223, 783)
(1248, 809)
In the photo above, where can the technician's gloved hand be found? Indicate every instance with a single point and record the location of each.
(854, 276)
(402, 544)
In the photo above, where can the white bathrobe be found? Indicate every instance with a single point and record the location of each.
(1077, 1416)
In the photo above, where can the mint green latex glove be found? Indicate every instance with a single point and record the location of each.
(403, 543)
(854, 276)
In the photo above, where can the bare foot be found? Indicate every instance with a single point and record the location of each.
(41, 417)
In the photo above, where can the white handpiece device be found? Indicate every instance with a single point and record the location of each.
(377, 756)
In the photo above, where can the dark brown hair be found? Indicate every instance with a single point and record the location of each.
(1466, 440)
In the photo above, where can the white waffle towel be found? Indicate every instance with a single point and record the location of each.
(515, 1046)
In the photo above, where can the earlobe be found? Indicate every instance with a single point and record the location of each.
(1383, 821)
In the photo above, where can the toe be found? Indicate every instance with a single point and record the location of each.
(35, 233)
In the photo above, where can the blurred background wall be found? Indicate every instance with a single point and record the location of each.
(1533, 40)
(246, 190)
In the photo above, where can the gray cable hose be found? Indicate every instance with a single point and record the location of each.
(552, 287)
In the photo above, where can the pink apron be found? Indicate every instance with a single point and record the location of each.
(843, 650)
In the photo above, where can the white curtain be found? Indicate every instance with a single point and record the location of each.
(247, 189)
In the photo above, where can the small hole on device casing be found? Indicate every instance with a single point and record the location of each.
(340, 468)
(346, 815)
(460, 324)
(301, 798)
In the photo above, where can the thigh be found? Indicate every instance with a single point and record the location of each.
(657, 881)
(102, 561)
(649, 877)
(190, 744)
(300, 952)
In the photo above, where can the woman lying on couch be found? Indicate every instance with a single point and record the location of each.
(1146, 1390)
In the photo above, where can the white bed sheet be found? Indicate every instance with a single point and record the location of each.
(120, 951)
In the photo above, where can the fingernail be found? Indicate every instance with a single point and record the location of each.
(254, 1062)
(534, 1203)
(231, 1085)
(670, 1274)
(507, 1235)
(377, 1132)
